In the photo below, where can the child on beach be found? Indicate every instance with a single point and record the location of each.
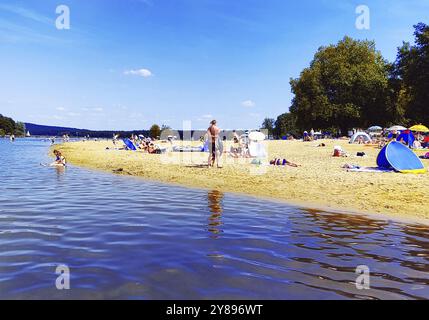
(60, 160)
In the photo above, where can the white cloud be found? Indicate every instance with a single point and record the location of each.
(68, 113)
(73, 114)
(145, 73)
(248, 103)
(134, 115)
(96, 109)
(205, 117)
(25, 13)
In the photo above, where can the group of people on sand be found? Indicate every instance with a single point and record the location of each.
(144, 144)
(309, 136)
(215, 148)
(240, 148)
(421, 141)
(141, 143)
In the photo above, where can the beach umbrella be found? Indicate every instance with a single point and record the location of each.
(256, 136)
(375, 128)
(419, 128)
(397, 128)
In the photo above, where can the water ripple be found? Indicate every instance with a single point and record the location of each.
(126, 238)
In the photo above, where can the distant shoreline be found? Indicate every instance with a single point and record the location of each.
(320, 183)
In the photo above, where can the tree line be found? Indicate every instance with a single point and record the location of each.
(350, 85)
(9, 127)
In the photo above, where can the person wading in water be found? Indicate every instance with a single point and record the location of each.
(215, 147)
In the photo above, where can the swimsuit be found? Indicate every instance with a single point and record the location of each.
(213, 148)
(61, 160)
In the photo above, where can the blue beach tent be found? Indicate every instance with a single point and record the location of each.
(130, 145)
(400, 158)
(408, 138)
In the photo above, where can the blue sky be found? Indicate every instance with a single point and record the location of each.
(126, 64)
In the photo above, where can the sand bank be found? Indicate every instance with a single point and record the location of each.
(319, 182)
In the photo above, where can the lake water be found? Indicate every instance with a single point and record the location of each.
(125, 238)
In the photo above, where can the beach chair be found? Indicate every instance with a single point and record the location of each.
(129, 144)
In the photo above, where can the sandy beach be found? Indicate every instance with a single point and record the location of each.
(320, 182)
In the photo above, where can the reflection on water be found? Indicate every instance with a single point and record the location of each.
(215, 199)
(60, 172)
(374, 243)
(127, 238)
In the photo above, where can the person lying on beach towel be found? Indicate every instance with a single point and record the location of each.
(284, 162)
(426, 156)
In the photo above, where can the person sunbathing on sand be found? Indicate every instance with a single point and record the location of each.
(339, 152)
(284, 162)
(151, 149)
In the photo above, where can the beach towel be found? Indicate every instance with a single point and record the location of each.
(369, 169)
(187, 149)
(218, 145)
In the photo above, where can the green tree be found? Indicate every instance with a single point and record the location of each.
(268, 124)
(411, 74)
(345, 86)
(7, 124)
(286, 124)
(2, 132)
(20, 129)
(155, 131)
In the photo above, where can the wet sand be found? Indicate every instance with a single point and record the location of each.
(320, 182)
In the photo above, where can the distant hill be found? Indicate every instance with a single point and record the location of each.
(40, 130)
(52, 131)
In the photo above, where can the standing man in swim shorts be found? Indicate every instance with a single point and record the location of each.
(214, 143)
